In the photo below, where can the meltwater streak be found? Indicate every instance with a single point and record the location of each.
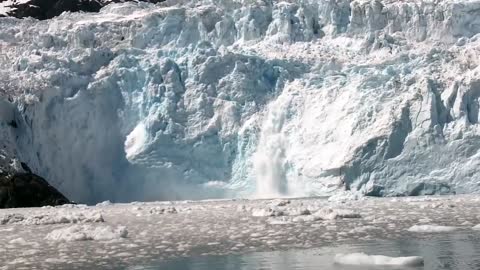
(270, 158)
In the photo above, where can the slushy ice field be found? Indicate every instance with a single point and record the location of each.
(312, 233)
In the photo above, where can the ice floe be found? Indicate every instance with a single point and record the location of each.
(87, 232)
(431, 228)
(364, 259)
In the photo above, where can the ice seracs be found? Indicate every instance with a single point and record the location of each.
(145, 102)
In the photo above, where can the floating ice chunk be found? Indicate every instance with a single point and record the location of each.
(87, 232)
(18, 241)
(431, 228)
(476, 227)
(279, 221)
(330, 214)
(55, 260)
(364, 259)
(266, 212)
(308, 218)
(424, 220)
(281, 202)
(104, 203)
(81, 206)
(298, 212)
(58, 218)
(163, 210)
(11, 218)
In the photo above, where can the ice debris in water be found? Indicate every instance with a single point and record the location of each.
(231, 224)
(342, 197)
(11, 218)
(281, 202)
(431, 228)
(476, 227)
(298, 211)
(87, 232)
(267, 212)
(163, 210)
(48, 219)
(364, 259)
(302, 213)
(329, 214)
(104, 203)
(18, 241)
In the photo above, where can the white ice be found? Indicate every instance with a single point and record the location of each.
(431, 228)
(364, 259)
(154, 231)
(270, 98)
(87, 232)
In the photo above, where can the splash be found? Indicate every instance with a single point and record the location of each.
(270, 158)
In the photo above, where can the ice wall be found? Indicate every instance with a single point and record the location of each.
(202, 99)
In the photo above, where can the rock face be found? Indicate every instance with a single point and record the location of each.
(46, 9)
(28, 190)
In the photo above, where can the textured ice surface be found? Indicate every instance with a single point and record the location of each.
(196, 99)
(141, 233)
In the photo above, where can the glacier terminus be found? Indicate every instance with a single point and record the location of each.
(204, 99)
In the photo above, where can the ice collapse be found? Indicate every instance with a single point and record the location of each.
(235, 98)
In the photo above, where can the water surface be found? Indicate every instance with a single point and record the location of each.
(459, 250)
(240, 234)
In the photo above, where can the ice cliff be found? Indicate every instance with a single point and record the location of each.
(232, 98)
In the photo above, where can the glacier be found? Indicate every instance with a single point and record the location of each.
(234, 98)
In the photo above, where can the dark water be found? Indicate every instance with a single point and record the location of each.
(460, 250)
